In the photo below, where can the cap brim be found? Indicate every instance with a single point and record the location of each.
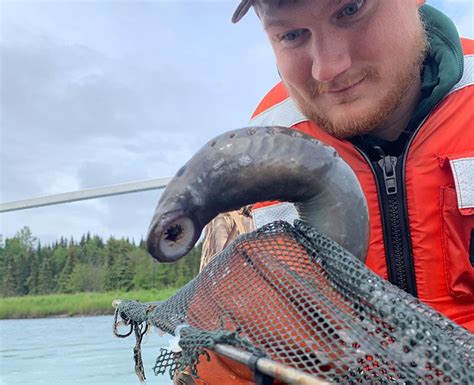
(241, 10)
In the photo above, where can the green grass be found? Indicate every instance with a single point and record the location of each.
(37, 306)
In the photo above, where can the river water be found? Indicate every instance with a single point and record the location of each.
(73, 351)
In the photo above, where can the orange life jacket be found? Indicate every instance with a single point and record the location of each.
(437, 179)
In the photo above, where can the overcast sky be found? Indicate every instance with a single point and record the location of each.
(104, 92)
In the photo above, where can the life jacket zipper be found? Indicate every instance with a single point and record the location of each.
(399, 257)
(389, 179)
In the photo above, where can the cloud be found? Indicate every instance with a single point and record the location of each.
(97, 93)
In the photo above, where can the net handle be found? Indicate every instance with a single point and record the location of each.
(264, 365)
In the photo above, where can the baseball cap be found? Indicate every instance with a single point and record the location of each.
(241, 10)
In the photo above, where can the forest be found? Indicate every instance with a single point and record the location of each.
(90, 264)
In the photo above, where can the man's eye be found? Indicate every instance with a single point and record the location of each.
(291, 35)
(351, 8)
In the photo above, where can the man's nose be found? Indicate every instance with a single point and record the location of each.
(331, 57)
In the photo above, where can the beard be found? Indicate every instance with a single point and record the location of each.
(348, 120)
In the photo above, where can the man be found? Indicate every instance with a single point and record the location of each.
(388, 84)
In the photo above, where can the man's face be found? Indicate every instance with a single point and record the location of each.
(350, 65)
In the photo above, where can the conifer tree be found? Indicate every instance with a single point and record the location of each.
(9, 282)
(65, 275)
(123, 273)
(45, 276)
(33, 280)
(118, 266)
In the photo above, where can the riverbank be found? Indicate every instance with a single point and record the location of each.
(68, 305)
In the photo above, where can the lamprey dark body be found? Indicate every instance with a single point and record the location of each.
(258, 164)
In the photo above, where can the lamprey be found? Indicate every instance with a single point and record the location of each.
(257, 164)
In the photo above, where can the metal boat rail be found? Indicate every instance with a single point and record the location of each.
(90, 193)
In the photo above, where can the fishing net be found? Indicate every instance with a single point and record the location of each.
(298, 298)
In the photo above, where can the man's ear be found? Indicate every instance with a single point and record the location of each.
(419, 3)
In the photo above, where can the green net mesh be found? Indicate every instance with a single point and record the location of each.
(297, 297)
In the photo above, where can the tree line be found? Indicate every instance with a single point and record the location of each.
(90, 264)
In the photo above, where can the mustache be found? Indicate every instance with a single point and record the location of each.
(316, 87)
